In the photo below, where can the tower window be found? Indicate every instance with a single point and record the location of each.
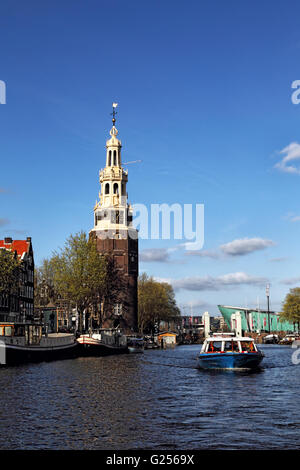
(116, 188)
(118, 309)
(107, 188)
(109, 158)
(115, 158)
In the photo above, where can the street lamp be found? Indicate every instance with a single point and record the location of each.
(268, 303)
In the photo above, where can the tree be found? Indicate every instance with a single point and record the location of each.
(156, 301)
(291, 306)
(79, 273)
(114, 291)
(44, 291)
(9, 270)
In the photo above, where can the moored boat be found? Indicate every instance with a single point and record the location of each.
(271, 339)
(102, 344)
(24, 342)
(229, 352)
(135, 344)
(289, 339)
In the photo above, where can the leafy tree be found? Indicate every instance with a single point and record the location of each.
(9, 269)
(79, 273)
(291, 306)
(114, 290)
(156, 301)
(44, 291)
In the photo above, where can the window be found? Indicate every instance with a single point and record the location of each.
(109, 158)
(231, 346)
(117, 217)
(115, 158)
(106, 188)
(247, 346)
(118, 309)
(214, 346)
(227, 346)
(116, 188)
(8, 331)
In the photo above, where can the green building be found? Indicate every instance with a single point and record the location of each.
(258, 320)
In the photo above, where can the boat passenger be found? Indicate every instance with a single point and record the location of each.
(227, 346)
(214, 346)
(247, 346)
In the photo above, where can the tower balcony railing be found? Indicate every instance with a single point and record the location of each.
(113, 171)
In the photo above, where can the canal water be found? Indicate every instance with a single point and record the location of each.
(156, 400)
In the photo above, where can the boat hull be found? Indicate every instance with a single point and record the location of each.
(91, 347)
(135, 350)
(229, 360)
(14, 355)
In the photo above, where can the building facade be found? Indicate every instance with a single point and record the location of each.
(116, 237)
(17, 305)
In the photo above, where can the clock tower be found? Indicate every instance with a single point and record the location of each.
(116, 236)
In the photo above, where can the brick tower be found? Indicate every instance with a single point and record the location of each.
(115, 235)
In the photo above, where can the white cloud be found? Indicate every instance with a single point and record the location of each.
(243, 246)
(204, 253)
(237, 247)
(290, 281)
(291, 153)
(292, 217)
(155, 255)
(194, 306)
(207, 283)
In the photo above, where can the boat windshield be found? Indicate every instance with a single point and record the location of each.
(231, 346)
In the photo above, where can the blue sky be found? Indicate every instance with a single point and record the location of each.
(204, 93)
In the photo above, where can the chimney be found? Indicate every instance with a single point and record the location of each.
(28, 239)
(7, 240)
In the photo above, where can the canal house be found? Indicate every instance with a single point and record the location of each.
(16, 305)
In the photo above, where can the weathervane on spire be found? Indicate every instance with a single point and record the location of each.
(114, 105)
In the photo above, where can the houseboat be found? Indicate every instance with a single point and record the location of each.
(24, 342)
(229, 352)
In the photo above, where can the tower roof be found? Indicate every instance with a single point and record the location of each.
(113, 141)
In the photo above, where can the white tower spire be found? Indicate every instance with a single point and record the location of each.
(113, 213)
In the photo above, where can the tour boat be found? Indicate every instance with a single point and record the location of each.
(102, 343)
(135, 345)
(229, 352)
(24, 342)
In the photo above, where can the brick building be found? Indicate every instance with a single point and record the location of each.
(17, 305)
